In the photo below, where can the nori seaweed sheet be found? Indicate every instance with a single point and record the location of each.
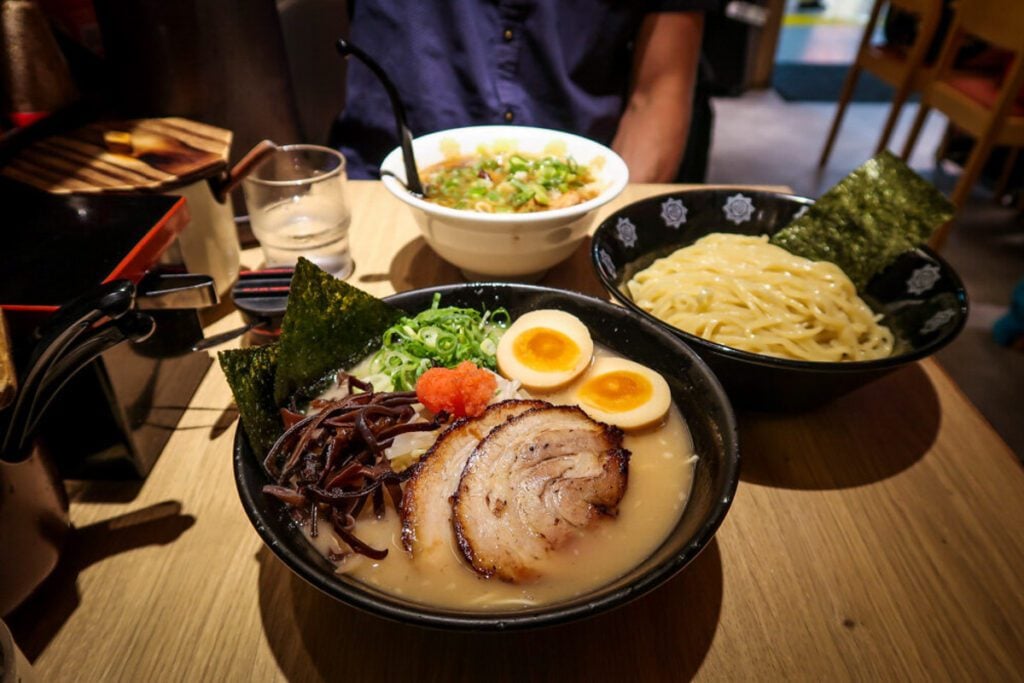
(329, 324)
(869, 218)
(250, 373)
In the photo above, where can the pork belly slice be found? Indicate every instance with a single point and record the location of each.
(426, 503)
(536, 482)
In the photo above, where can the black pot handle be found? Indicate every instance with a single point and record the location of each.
(111, 300)
(223, 184)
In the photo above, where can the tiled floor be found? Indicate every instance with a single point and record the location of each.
(760, 138)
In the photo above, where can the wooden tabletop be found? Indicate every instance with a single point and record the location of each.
(878, 538)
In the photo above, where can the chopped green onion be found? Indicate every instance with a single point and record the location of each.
(503, 182)
(437, 337)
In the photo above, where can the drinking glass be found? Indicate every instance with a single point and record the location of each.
(298, 207)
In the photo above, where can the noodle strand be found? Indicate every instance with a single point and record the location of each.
(743, 292)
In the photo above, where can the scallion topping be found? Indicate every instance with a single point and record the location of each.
(437, 337)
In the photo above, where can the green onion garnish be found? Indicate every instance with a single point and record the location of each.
(437, 337)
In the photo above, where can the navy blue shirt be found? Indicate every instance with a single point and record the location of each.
(561, 64)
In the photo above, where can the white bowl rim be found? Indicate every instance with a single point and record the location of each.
(617, 183)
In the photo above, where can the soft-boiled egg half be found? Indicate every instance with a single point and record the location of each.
(623, 393)
(545, 349)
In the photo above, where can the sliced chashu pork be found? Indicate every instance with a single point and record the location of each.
(534, 483)
(426, 501)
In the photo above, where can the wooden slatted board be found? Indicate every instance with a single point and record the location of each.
(165, 153)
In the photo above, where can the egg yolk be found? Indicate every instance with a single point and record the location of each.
(546, 350)
(617, 391)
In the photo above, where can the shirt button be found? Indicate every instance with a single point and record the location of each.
(509, 116)
(507, 34)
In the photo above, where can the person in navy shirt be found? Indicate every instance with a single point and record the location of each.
(620, 72)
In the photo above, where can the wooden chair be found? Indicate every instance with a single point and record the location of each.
(983, 105)
(900, 68)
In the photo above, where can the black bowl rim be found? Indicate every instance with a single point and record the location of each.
(505, 621)
(887, 363)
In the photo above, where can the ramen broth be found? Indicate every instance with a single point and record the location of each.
(509, 181)
(660, 477)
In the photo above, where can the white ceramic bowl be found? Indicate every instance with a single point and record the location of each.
(508, 246)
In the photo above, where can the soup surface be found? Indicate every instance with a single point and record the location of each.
(660, 477)
(508, 181)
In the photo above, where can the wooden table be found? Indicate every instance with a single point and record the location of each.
(879, 538)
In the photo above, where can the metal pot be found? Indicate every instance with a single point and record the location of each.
(33, 525)
(210, 244)
(33, 505)
(14, 667)
(33, 512)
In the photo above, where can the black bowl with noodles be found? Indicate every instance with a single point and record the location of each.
(695, 391)
(920, 297)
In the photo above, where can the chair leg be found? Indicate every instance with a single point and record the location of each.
(894, 115)
(844, 99)
(915, 130)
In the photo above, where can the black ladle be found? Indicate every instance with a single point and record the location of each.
(412, 176)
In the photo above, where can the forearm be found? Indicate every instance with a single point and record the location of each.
(652, 138)
(652, 131)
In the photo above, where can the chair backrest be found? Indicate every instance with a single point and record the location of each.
(926, 14)
(997, 22)
(1000, 23)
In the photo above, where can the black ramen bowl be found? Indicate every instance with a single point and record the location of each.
(695, 391)
(920, 297)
